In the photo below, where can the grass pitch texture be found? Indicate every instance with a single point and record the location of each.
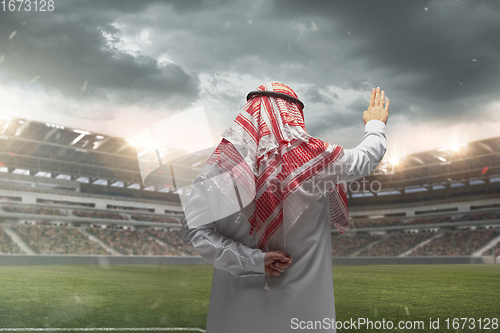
(178, 296)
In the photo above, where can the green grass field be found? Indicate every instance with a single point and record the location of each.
(178, 296)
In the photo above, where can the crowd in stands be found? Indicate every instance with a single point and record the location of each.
(368, 223)
(494, 251)
(74, 193)
(133, 242)
(431, 219)
(456, 243)
(394, 245)
(64, 203)
(7, 246)
(480, 216)
(434, 202)
(132, 209)
(149, 218)
(57, 240)
(33, 210)
(95, 214)
(173, 238)
(98, 214)
(7, 198)
(50, 239)
(346, 245)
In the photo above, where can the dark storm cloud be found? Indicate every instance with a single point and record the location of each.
(354, 112)
(333, 117)
(357, 85)
(131, 6)
(66, 50)
(235, 37)
(436, 58)
(441, 61)
(320, 94)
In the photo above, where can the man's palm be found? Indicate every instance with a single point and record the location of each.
(376, 109)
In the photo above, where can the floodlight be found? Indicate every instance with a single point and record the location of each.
(394, 160)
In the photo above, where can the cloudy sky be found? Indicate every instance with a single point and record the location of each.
(117, 66)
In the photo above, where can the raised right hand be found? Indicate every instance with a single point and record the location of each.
(376, 109)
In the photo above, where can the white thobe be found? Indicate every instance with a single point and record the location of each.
(302, 295)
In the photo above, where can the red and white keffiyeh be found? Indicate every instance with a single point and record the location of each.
(282, 169)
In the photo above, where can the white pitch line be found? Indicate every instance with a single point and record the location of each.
(102, 329)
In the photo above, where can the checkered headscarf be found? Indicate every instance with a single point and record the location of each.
(280, 167)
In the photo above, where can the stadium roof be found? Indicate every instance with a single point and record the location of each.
(46, 149)
(474, 161)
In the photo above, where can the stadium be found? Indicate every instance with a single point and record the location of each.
(73, 204)
(71, 192)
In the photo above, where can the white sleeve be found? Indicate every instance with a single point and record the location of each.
(224, 253)
(359, 162)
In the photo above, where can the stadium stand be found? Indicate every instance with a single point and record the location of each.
(364, 223)
(494, 251)
(458, 242)
(9, 198)
(423, 206)
(173, 238)
(45, 239)
(7, 246)
(130, 208)
(432, 219)
(99, 214)
(346, 245)
(65, 203)
(33, 210)
(394, 245)
(73, 193)
(480, 216)
(135, 242)
(420, 201)
(150, 218)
